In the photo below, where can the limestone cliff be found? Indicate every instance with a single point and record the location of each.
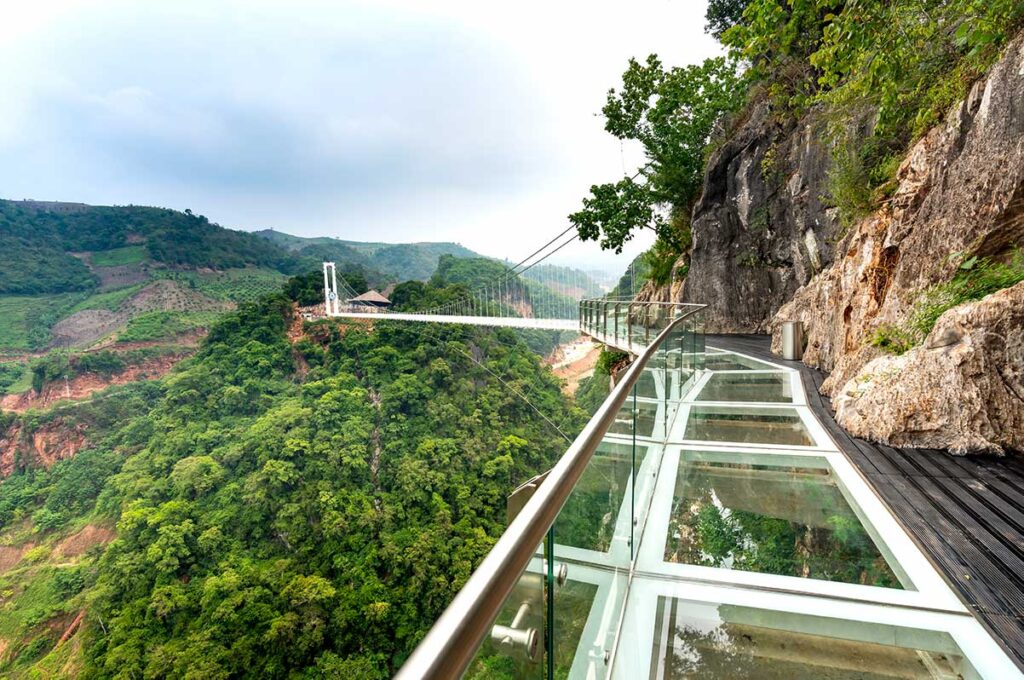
(760, 228)
(960, 194)
(767, 249)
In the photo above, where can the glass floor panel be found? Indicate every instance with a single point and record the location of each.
(646, 420)
(727, 361)
(776, 519)
(751, 387)
(747, 426)
(726, 642)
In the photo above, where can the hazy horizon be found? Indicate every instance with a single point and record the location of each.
(385, 121)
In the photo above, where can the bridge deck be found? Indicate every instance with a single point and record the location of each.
(965, 512)
(504, 322)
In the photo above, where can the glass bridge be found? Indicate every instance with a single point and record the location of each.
(704, 525)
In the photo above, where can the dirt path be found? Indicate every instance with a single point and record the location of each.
(574, 361)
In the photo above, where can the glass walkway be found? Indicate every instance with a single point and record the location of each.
(716, 531)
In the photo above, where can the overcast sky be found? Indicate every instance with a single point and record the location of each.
(387, 120)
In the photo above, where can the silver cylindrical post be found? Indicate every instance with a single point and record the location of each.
(793, 340)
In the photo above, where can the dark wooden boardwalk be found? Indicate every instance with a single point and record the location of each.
(965, 512)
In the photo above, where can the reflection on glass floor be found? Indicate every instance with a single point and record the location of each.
(777, 519)
(747, 426)
(708, 533)
(726, 642)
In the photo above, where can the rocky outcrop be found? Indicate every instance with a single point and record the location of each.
(760, 229)
(85, 385)
(960, 193)
(46, 445)
(963, 389)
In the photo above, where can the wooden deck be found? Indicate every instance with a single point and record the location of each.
(965, 512)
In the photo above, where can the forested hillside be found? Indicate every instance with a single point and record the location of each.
(38, 242)
(400, 261)
(275, 505)
(80, 281)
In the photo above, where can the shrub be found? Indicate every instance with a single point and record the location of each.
(976, 278)
(893, 339)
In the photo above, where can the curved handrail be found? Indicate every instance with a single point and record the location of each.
(455, 637)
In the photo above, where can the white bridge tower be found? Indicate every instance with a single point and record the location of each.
(330, 289)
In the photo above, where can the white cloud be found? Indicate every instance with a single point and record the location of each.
(391, 119)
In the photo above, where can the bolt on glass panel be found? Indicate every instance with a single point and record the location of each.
(515, 645)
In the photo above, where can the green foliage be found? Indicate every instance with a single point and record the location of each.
(381, 263)
(68, 489)
(661, 259)
(976, 278)
(614, 211)
(11, 374)
(29, 266)
(308, 289)
(120, 256)
(593, 391)
(893, 339)
(160, 325)
(234, 285)
(881, 72)
(109, 300)
(722, 15)
(59, 365)
(274, 525)
(671, 112)
(29, 263)
(472, 273)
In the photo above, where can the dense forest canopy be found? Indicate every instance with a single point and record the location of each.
(286, 508)
(43, 240)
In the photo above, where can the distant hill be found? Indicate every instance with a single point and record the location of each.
(44, 247)
(403, 261)
(75, 275)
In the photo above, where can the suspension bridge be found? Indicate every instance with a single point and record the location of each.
(525, 295)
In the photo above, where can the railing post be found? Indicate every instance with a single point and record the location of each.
(616, 335)
(629, 323)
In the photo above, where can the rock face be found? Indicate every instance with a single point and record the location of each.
(963, 389)
(961, 193)
(760, 229)
(45, 446)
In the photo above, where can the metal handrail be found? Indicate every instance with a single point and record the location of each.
(642, 302)
(455, 637)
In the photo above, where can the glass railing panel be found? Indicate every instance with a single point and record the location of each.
(514, 648)
(593, 539)
(595, 517)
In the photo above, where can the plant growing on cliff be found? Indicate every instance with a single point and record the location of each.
(882, 72)
(976, 278)
(672, 113)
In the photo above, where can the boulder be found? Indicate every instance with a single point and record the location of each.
(962, 389)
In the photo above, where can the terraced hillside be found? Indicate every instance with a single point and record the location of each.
(76, 278)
